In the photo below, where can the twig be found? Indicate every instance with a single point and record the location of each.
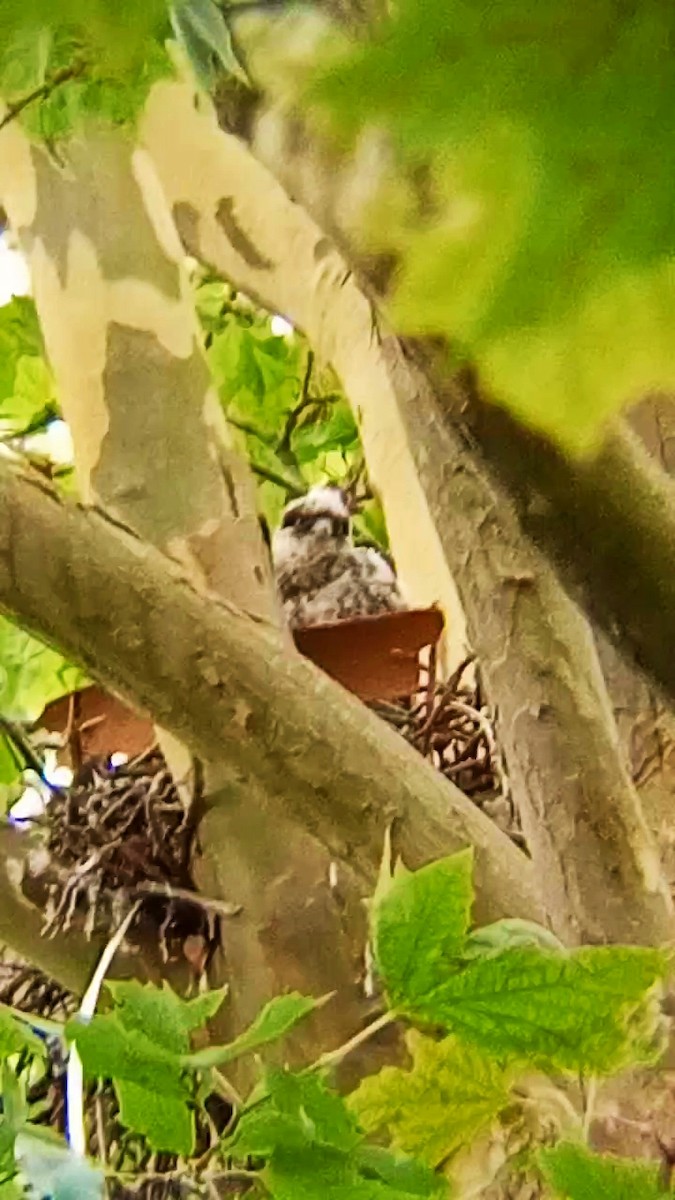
(284, 444)
(77, 1138)
(282, 481)
(177, 893)
(336, 1056)
(31, 759)
(248, 427)
(63, 75)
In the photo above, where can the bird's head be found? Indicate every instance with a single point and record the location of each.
(313, 522)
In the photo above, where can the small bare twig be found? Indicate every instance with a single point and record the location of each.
(63, 75)
(306, 401)
(177, 893)
(282, 481)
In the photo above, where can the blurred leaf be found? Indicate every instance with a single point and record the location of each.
(120, 34)
(161, 1015)
(419, 926)
(596, 1009)
(202, 30)
(142, 1047)
(273, 1022)
(401, 1172)
(15, 1036)
(298, 1110)
(90, 67)
(338, 431)
(318, 1173)
(507, 933)
(575, 1173)
(568, 316)
(10, 767)
(14, 1106)
(31, 674)
(52, 1170)
(109, 1051)
(451, 1093)
(33, 393)
(20, 337)
(165, 1120)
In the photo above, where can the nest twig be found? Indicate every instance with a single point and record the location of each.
(451, 725)
(116, 834)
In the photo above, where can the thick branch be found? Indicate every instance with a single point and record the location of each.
(227, 685)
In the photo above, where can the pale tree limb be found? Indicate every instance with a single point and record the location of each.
(231, 213)
(153, 450)
(226, 684)
(598, 866)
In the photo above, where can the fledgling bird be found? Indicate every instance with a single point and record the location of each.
(320, 574)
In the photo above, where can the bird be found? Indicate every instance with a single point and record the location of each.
(321, 575)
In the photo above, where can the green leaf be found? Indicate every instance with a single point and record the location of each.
(109, 1051)
(531, 251)
(295, 1110)
(263, 1130)
(273, 1022)
(31, 674)
(14, 1106)
(202, 30)
(165, 1120)
(33, 393)
(596, 1009)
(338, 431)
(321, 1174)
(20, 337)
(10, 767)
(16, 1037)
(451, 1094)
(399, 1171)
(575, 1173)
(7, 1140)
(505, 934)
(419, 926)
(160, 1014)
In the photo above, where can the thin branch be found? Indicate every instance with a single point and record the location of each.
(222, 907)
(63, 75)
(248, 427)
(31, 759)
(332, 1057)
(305, 402)
(281, 481)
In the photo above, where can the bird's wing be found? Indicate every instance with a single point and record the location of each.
(375, 565)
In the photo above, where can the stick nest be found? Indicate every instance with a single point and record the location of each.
(451, 725)
(116, 835)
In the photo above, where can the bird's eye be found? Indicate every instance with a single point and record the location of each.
(291, 518)
(340, 526)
